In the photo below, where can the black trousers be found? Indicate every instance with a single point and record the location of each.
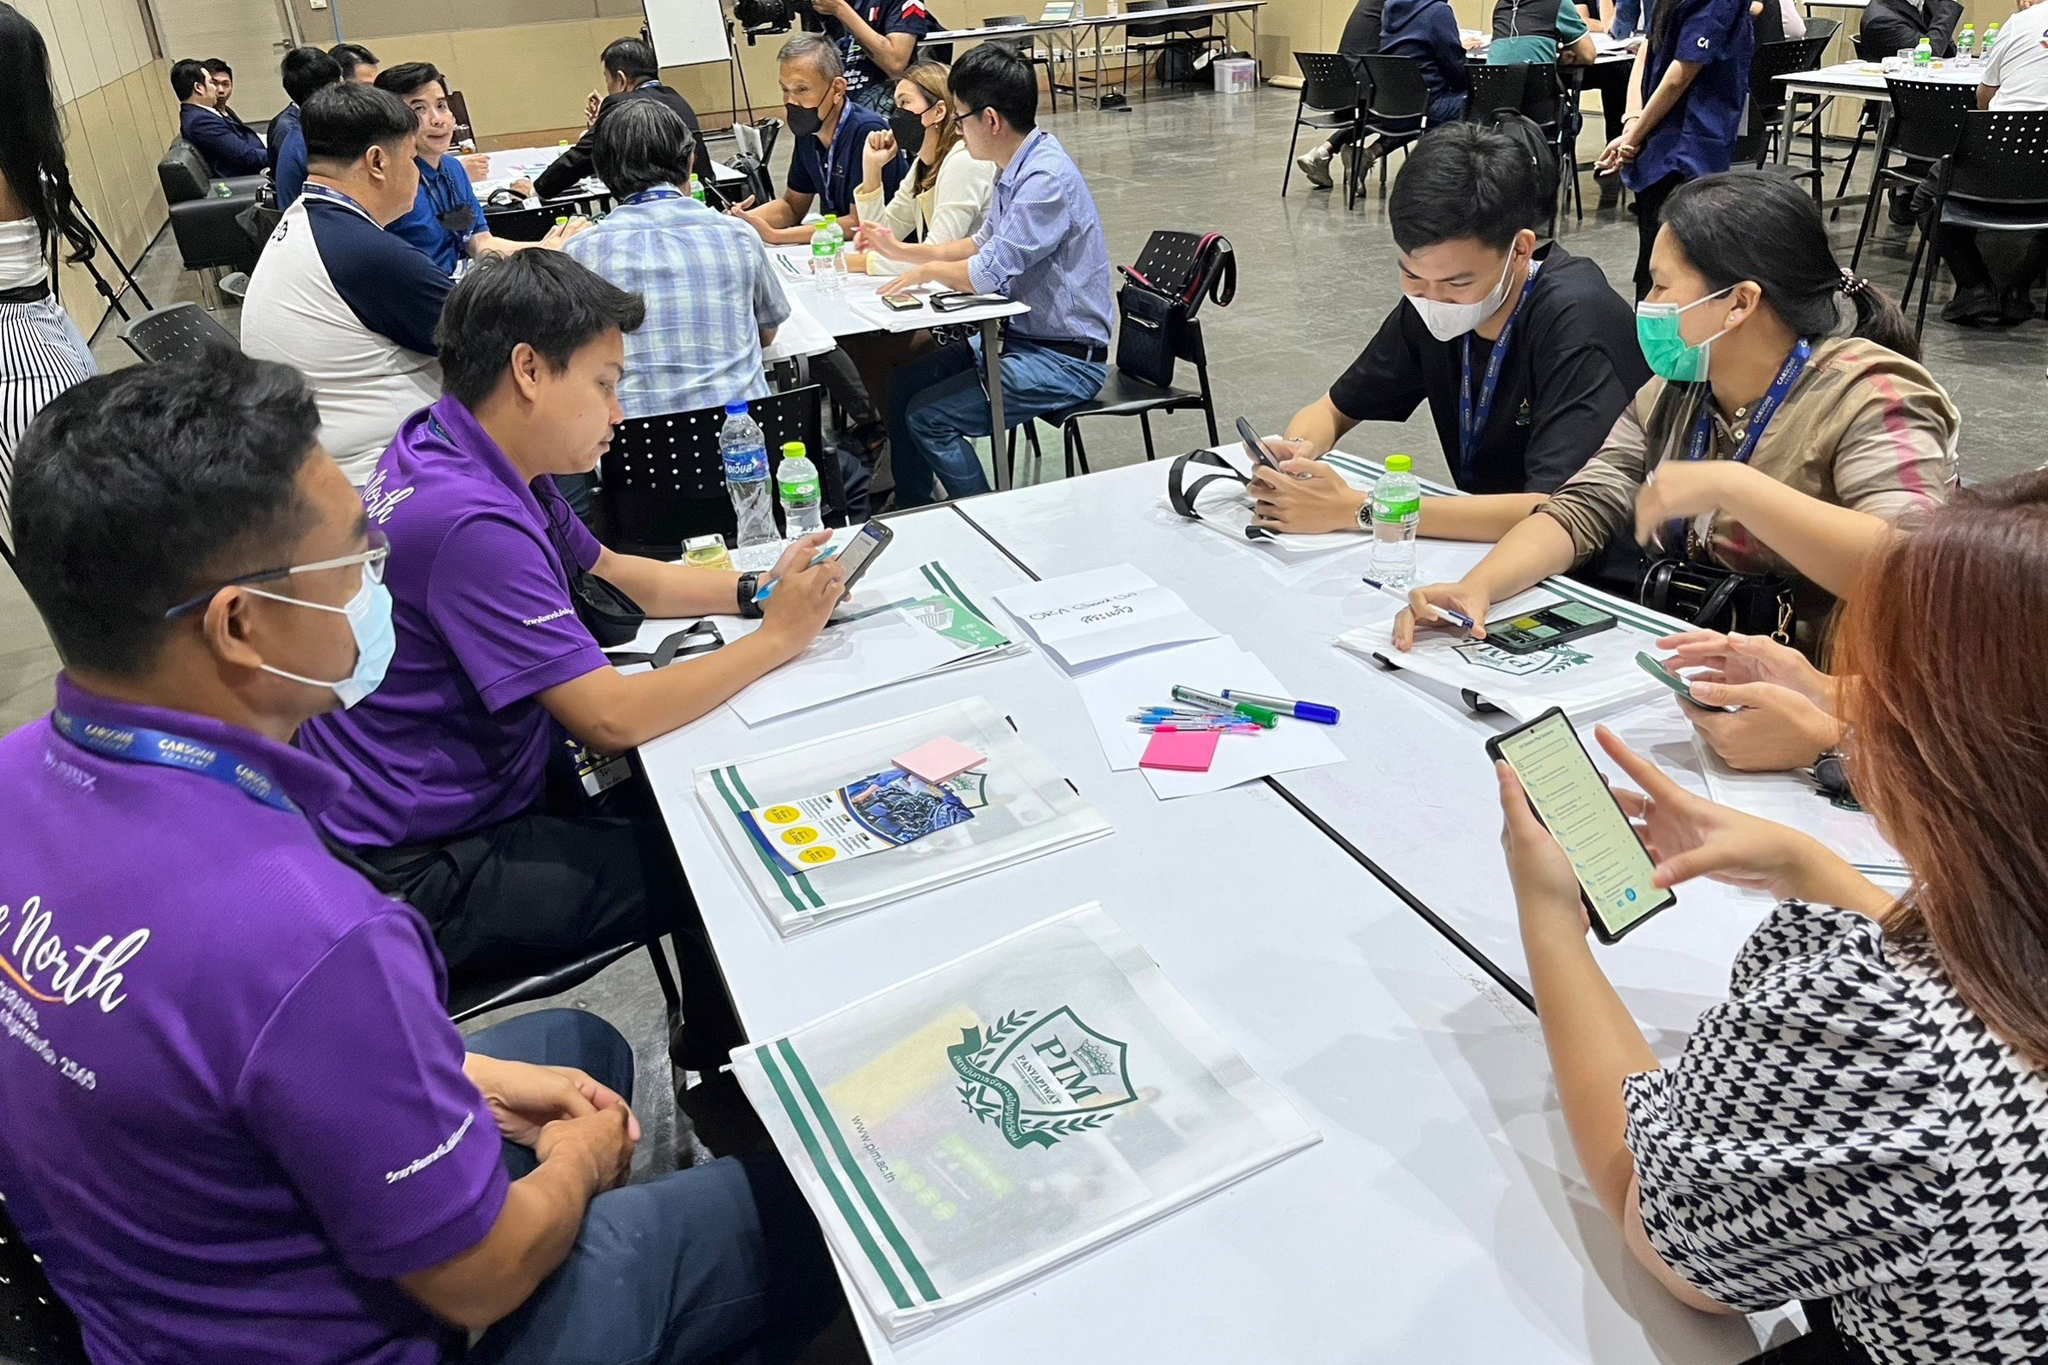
(1611, 80)
(1649, 209)
(545, 888)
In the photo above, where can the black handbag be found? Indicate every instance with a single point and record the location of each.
(1714, 598)
(1152, 313)
(611, 617)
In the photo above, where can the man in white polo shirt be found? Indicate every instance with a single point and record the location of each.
(347, 304)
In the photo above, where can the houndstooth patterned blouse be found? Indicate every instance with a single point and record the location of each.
(1844, 1128)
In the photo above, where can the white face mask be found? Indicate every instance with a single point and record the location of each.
(1449, 321)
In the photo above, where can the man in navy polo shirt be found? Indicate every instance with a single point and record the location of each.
(452, 759)
(239, 1123)
(830, 131)
(303, 70)
(447, 221)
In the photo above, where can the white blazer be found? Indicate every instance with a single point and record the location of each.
(951, 207)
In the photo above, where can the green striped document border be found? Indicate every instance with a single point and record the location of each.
(873, 1228)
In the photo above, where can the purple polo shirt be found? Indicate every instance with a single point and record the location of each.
(234, 1106)
(454, 739)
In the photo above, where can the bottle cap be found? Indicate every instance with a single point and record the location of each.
(1399, 464)
(735, 409)
(792, 450)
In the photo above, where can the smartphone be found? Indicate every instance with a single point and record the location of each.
(1682, 686)
(1547, 626)
(865, 547)
(1574, 804)
(1255, 447)
(901, 303)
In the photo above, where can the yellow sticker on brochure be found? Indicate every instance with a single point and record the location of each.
(781, 815)
(802, 834)
(823, 853)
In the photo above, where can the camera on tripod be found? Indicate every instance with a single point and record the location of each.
(758, 18)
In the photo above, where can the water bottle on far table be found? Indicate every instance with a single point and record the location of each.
(1396, 515)
(1990, 41)
(1966, 42)
(802, 501)
(745, 452)
(1923, 56)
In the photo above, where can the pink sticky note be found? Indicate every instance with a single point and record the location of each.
(941, 760)
(1185, 751)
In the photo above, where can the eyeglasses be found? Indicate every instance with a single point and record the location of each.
(371, 559)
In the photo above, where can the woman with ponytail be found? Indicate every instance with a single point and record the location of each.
(1789, 423)
(41, 352)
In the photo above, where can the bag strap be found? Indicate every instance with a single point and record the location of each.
(1182, 495)
(1215, 273)
(687, 643)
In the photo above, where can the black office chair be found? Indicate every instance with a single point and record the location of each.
(1150, 41)
(468, 1000)
(1396, 107)
(1495, 88)
(1996, 180)
(1926, 123)
(35, 1326)
(1170, 261)
(1767, 98)
(1330, 100)
(663, 480)
(203, 213)
(176, 331)
(1553, 106)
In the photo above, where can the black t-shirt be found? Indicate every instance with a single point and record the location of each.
(1572, 365)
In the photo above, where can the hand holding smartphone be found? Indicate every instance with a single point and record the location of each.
(1255, 446)
(1678, 683)
(1572, 800)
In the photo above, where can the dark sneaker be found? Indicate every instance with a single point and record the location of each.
(1972, 307)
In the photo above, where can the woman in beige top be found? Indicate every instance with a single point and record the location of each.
(946, 194)
(1862, 436)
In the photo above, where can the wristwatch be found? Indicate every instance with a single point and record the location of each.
(1365, 513)
(750, 610)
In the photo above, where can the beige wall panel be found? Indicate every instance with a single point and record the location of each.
(120, 20)
(520, 78)
(438, 48)
(502, 14)
(364, 21)
(67, 31)
(622, 9)
(38, 13)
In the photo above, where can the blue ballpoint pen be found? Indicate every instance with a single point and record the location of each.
(761, 593)
(1448, 613)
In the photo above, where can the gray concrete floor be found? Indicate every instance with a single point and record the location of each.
(1314, 282)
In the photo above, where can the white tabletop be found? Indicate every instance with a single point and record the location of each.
(1868, 78)
(515, 163)
(1441, 1219)
(1417, 794)
(851, 308)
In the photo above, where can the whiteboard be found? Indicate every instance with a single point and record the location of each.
(686, 32)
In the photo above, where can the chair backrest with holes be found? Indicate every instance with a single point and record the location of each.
(1398, 90)
(1495, 87)
(663, 480)
(1927, 116)
(1327, 82)
(178, 331)
(35, 1326)
(1823, 31)
(1542, 99)
(2002, 157)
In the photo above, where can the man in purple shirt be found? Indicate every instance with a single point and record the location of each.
(239, 1123)
(465, 793)
(1041, 245)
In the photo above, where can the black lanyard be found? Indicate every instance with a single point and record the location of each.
(135, 744)
(1759, 418)
(1472, 419)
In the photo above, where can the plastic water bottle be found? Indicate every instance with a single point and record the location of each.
(797, 479)
(1990, 41)
(696, 189)
(1923, 56)
(1966, 45)
(826, 241)
(1396, 514)
(745, 452)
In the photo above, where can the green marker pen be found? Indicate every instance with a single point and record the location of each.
(1265, 717)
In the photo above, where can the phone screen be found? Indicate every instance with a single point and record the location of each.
(1575, 805)
(1254, 446)
(862, 549)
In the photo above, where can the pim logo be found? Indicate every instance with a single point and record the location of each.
(1040, 1078)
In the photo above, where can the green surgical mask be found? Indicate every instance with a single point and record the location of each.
(1657, 332)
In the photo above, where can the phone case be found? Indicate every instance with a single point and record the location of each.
(1502, 639)
(1598, 925)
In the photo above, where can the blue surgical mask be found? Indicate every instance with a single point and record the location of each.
(369, 620)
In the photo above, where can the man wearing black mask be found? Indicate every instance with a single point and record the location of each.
(830, 132)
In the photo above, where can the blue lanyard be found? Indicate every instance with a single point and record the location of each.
(659, 192)
(137, 745)
(333, 196)
(1759, 418)
(1472, 419)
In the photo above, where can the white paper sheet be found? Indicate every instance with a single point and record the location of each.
(1084, 618)
(1794, 799)
(844, 661)
(1116, 690)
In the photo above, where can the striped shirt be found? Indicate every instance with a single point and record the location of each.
(706, 281)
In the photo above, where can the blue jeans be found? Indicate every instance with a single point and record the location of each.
(937, 402)
(720, 1262)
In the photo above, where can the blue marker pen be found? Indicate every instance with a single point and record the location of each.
(761, 593)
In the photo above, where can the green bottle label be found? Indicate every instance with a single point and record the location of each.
(1393, 512)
